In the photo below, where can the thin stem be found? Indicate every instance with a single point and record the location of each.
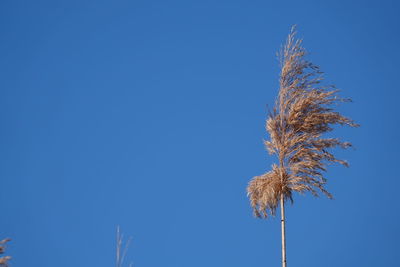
(118, 263)
(283, 231)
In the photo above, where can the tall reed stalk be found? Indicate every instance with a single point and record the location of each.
(303, 113)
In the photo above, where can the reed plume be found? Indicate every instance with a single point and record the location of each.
(303, 113)
(4, 260)
(121, 249)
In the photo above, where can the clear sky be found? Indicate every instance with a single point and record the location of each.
(150, 115)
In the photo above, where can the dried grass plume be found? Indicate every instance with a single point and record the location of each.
(303, 113)
(121, 249)
(4, 260)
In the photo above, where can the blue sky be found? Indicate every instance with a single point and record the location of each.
(150, 115)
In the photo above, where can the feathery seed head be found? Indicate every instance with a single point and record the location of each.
(303, 112)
